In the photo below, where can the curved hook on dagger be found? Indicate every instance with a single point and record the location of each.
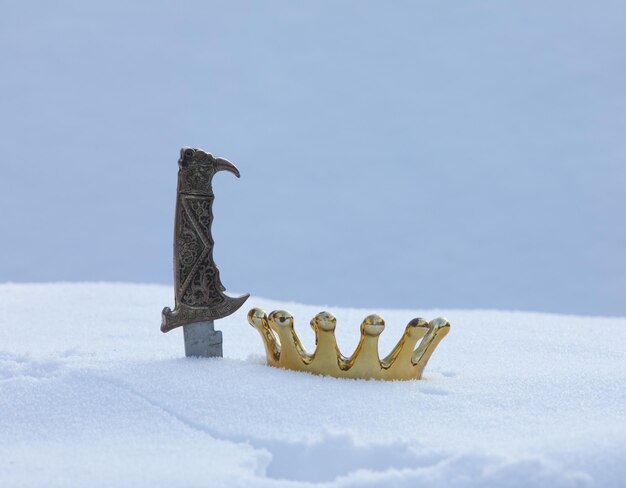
(222, 164)
(219, 164)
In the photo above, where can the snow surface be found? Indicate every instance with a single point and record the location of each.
(93, 394)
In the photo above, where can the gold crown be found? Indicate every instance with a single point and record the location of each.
(284, 350)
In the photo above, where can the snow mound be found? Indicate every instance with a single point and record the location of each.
(93, 394)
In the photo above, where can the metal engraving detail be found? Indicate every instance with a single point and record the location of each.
(199, 292)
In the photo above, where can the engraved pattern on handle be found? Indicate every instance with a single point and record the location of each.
(199, 291)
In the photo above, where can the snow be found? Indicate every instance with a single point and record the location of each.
(93, 394)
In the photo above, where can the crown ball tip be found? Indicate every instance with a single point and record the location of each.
(416, 328)
(326, 315)
(281, 318)
(440, 323)
(374, 319)
(325, 321)
(373, 325)
(418, 323)
(256, 316)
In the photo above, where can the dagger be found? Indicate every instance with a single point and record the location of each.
(199, 292)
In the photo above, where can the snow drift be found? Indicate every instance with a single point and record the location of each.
(93, 394)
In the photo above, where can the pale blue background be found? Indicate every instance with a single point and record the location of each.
(396, 154)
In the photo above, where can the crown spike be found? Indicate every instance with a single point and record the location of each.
(257, 318)
(292, 354)
(439, 328)
(365, 362)
(327, 356)
(397, 364)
